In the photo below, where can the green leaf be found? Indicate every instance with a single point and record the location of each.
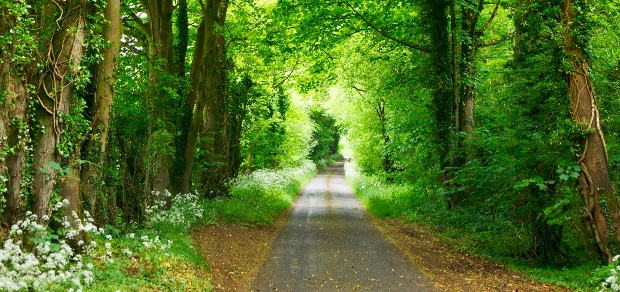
(54, 165)
(564, 177)
(542, 187)
(36, 240)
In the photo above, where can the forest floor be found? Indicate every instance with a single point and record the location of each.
(236, 254)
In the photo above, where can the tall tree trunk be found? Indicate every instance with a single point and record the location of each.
(96, 147)
(442, 93)
(183, 39)
(455, 68)
(191, 134)
(387, 161)
(205, 120)
(222, 136)
(13, 96)
(55, 98)
(183, 116)
(217, 113)
(599, 196)
(468, 74)
(158, 32)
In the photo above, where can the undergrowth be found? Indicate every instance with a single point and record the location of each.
(256, 199)
(158, 256)
(473, 231)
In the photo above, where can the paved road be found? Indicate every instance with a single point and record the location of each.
(330, 244)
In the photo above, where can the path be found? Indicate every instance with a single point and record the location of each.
(329, 243)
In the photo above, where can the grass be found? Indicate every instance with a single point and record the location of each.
(258, 198)
(255, 199)
(155, 268)
(472, 231)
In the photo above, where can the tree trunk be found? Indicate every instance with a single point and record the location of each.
(442, 92)
(12, 135)
(97, 146)
(70, 191)
(55, 98)
(158, 31)
(190, 135)
(205, 119)
(455, 68)
(183, 115)
(599, 196)
(468, 78)
(387, 161)
(222, 114)
(217, 114)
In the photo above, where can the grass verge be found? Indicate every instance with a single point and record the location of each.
(258, 198)
(471, 231)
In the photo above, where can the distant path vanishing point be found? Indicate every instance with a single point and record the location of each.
(330, 244)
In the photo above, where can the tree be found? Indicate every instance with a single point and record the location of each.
(17, 51)
(600, 199)
(96, 148)
(56, 89)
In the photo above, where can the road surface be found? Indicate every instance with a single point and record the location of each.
(330, 244)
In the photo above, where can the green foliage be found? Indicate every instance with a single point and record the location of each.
(265, 130)
(16, 35)
(150, 260)
(436, 24)
(258, 198)
(381, 72)
(296, 147)
(325, 136)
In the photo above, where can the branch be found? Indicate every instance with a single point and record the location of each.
(498, 41)
(144, 4)
(288, 76)
(402, 42)
(202, 5)
(138, 21)
(327, 54)
(486, 25)
(132, 47)
(359, 91)
(376, 108)
(234, 40)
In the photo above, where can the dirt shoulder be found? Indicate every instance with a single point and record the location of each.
(236, 253)
(454, 271)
